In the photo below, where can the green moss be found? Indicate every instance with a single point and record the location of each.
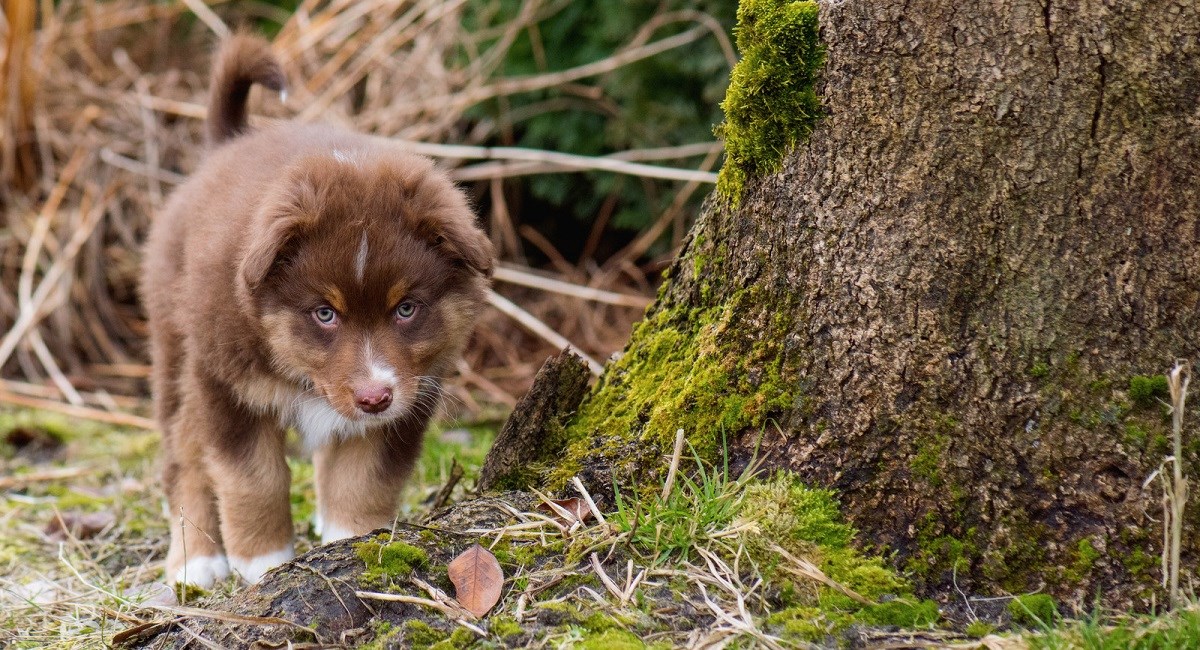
(419, 633)
(808, 523)
(1085, 558)
(459, 639)
(1144, 391)
(384, 633)
(1140, 564)
(979, 629)
(1033, 610)
(504, 626)
(807, 623)
(685, 368)
(389, 560)
(1136, 436)
(1039, 370)
(901, 613)
(611, 639)
(771, 104)
(926, 462)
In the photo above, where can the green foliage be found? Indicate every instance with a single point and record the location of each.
(1145, 390)
(771, 104)
(695, 509)
(669, 99)
(1033, 610)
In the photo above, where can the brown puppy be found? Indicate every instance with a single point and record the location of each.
(303, 277)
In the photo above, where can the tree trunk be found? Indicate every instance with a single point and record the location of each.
(939, 303)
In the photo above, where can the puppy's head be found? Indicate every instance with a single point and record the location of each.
(366, 272)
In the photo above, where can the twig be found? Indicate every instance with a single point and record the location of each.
(675, 456)
(588, 497)
(1177, 380)
(514, 275)
(510, 309)
(443, 495)
(82, 412)
(8, 482)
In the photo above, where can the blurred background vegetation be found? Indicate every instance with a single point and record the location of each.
(104, 103)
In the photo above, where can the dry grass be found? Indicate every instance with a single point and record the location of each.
(77, 592)
(102, 118)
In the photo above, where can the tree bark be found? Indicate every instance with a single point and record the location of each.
(938, 305)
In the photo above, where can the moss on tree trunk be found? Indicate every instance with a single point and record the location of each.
(945, 303)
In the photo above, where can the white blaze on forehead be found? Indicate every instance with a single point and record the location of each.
(360, 260)
(380, 371)
(346, 157)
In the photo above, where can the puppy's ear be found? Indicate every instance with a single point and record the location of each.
(285, 214)
(459, 239)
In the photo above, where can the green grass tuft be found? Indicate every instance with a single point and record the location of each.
(1033, 611)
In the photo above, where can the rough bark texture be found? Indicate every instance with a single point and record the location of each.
(558, 388)
(943, 297)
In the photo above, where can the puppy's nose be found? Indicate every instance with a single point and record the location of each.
(373, 399)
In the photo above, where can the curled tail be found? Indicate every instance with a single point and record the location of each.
(242, 61)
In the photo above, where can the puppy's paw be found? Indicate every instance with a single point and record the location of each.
(331, 532)
(252, 569)
(203, 572)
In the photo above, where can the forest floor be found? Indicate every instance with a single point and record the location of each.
(84, 539)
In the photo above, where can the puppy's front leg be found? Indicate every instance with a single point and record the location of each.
(359, 480)
(246, 460)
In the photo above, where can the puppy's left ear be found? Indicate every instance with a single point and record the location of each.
(461, 240)
(285, 214)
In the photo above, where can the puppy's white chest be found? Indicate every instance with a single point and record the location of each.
(319, 424)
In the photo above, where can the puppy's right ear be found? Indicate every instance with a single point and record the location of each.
(284, 216)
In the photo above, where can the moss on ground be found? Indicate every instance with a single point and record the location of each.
(386, 560)
(771, 104)
(807, 522)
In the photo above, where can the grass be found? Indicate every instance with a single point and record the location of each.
(1170, 631)
(763, 561)
(674, 523)
(77, 593)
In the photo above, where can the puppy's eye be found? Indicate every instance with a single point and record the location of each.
(326, 316)
(406, 310)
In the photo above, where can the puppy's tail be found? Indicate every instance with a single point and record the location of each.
(242, 61)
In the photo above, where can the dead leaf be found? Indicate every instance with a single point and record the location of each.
(477, 579)
(80, 525)
(578, 508)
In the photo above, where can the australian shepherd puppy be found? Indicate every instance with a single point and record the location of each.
(303, 277)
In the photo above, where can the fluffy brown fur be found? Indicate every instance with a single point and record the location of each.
(303, 277)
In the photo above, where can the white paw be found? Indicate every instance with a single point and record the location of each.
(318, 524)
(331, 532)
(252, 569)
(203, 571)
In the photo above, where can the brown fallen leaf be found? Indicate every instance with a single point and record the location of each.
(576, 507)
(80, 525)
(477, 579)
